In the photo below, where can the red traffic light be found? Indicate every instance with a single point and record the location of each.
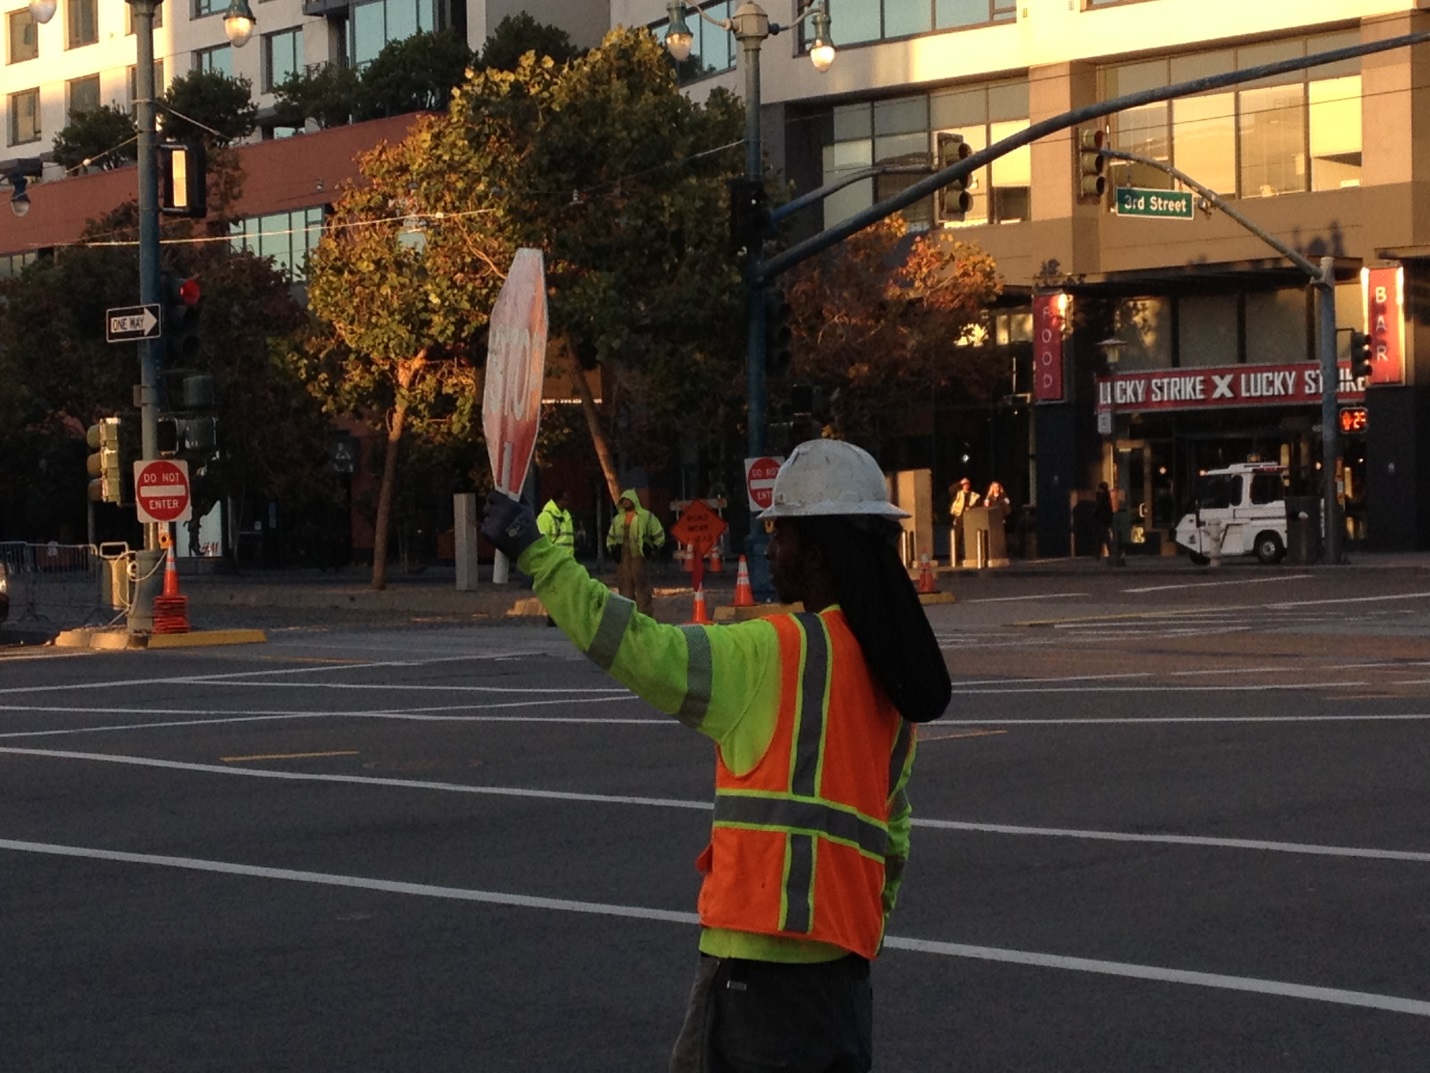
(188, 292)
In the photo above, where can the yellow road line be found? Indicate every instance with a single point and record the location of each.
(286, 756)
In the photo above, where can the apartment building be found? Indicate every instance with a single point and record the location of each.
(1215, 332)
(84, 56)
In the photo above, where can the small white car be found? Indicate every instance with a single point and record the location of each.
(1240, 510)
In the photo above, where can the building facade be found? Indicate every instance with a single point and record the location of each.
(1213, 334)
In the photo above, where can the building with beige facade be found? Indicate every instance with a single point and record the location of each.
(1218, 361)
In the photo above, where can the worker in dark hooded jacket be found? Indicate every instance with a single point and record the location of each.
(635, 536)
(812, 714)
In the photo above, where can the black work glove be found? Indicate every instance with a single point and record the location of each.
(509, 525)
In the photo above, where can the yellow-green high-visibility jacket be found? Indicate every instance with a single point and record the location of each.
(555, 523)
(728, 682)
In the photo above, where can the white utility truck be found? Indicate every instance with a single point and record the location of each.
(1239, 510)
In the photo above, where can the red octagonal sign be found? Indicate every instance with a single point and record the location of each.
(161, 491)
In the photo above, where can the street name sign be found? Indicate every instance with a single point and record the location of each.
(125, 324)
(1155, 204)
(161, 491)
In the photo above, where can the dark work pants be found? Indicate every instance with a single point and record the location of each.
(763, 1017)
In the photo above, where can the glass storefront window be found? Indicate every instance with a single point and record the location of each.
(1276, 325)
(1206, 139)
(1271, 131)
(1335, 114)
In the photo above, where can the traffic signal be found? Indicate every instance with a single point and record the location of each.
(183, 185)
(1091, 183)
(779, 334)
(1361, 355)
(182, 305)
(103, 463)
(749, 218)
(166, 437)
(954, 199)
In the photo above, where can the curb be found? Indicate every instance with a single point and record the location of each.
(121, 640)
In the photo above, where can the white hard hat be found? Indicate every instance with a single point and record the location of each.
(830, 477)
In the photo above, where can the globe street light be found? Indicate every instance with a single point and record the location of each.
(42, 10)
(751, 25)
(238, 23)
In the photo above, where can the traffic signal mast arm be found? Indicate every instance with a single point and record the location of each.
(802, 251)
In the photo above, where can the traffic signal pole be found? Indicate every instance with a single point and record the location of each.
(141, 615)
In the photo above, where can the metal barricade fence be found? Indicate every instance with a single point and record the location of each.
(68, 584)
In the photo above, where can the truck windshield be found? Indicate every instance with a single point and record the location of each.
(1218, 491)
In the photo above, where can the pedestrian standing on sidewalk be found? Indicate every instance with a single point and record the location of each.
(812, 715)
(635, 535)
(964, 497)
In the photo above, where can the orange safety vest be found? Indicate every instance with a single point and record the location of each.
(797, 845)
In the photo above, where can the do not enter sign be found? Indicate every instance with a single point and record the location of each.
(760, 481)
(161, 491)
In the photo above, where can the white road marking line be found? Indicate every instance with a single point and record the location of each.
(1153, 720)
(1259, 845)
(1278, 988)
(1214, 584)
(1038, 596)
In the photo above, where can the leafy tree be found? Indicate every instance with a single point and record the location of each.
(885, 315)
(327, 96)
(210, 105)
(622, 180)
(516, 35)
(398, 309)
(413, 74)
(103, 138)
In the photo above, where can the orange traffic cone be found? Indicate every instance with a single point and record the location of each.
(744, 595)
(171, 609)
(926, 583)
(701, 618)
(717, 564)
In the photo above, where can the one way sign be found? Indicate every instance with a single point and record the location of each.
(128, 323)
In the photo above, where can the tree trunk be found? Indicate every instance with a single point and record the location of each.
(384, 497)
(593, 422)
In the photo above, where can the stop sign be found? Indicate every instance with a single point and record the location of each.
(161, 491)
(760, 481)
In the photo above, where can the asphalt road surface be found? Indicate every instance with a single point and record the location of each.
(1172, 823)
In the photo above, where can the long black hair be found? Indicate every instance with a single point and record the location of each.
(879, 600)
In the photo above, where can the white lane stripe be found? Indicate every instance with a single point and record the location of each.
(1214, 584)
(1037, 596)
(705, 806)
(1178, 840)
(404, 784)
(1390, 1003)
(1278, 988)
(1153, 720)
(1013, 686)
(321, 668)
(425, 687)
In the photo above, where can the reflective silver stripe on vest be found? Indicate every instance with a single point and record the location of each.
(813, 685)
(612, 629)
(797, 912)
(698, 675)
(780, 813)
(900, 755)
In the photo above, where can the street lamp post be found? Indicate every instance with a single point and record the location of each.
(751, 25)
(238, 22)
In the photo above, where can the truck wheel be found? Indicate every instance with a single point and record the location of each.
(1198, 559)
(1269, 548)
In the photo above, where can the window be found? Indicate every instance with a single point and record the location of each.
(1286, 134)
(81, 22)
(24, 36)
(983, 115)
(134, 86)
(209, 7)
(854, 22)
(904, 131)
(83, 95)
(282, 56)
(286, 237)
(1266, 488)
(376, 22)
(24, 111)
(712, 49)
(219, 58)
(13, 264)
